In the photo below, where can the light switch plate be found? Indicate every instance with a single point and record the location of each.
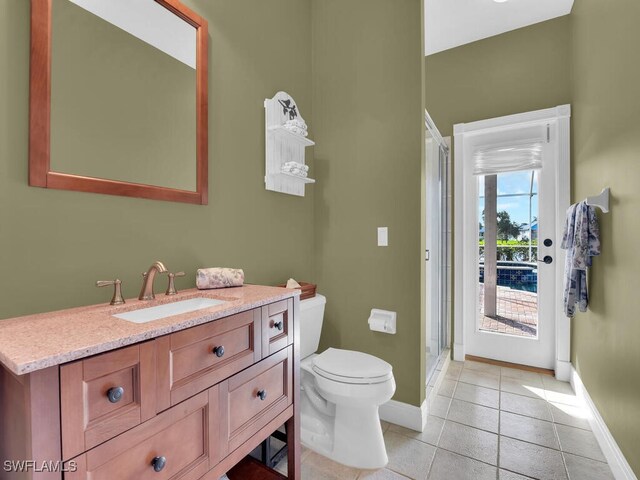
(383, 237)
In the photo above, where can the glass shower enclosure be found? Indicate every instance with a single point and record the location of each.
(437, 246)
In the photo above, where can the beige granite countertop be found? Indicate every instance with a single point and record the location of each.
(39, 341)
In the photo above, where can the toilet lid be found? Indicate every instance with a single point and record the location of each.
(351, 367)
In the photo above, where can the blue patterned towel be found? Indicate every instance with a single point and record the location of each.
(581, 240)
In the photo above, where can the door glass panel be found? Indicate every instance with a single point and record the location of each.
(437, 266)
(508, 286)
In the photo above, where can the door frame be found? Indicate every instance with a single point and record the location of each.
(432, 255)
(427, 266)
(464, 262)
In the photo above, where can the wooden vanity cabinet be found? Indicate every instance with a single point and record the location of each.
(277, 332)
(173, 407)
(105, 395)
(253, 397)
(179, 443)
(191, 360)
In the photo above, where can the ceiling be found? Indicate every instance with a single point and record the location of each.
(451, 23)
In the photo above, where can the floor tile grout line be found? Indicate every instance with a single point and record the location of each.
(417, 439)
(506, 411)
(564, 461)
(400, 473)
(545, 390)
(474, 403)
(362, 472)
(532, 443)
(527, 416)
(433, 460)
(582, 456)
(517, 473)
(466, 456)
(520, 395)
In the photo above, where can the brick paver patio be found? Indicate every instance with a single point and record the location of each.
(517, 312)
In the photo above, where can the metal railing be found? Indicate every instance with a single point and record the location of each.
(516, 253)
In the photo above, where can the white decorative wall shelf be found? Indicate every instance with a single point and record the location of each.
(284, 145)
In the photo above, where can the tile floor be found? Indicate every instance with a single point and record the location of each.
(486, 422)
(516, 312)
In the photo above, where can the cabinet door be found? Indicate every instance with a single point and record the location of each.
(180, 443)
(254, 397)
(192, 360)
(277, 326)
(105, 395)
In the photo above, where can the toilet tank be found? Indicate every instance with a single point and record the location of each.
(311, 316)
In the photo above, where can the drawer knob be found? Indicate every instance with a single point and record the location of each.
(115, 394)
(262, 394)
(158, 463)
(219, 351)
(279, 325)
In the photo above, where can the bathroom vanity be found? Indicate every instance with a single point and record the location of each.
(85, 394)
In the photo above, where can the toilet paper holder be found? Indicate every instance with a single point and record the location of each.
(382, 321)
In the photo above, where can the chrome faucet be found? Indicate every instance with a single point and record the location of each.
(147, 283)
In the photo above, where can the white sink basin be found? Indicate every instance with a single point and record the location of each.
(144, 315)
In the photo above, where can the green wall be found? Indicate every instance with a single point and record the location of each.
(55, 244)
(606, 152)
(519, 71)
(367, 121)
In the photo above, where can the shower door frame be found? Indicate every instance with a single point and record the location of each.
(437, 280)
(465, 259)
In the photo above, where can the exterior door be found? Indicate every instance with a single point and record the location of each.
(511, 235)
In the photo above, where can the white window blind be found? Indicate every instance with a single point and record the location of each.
(510, 158)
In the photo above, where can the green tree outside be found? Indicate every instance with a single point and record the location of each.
(509, 248)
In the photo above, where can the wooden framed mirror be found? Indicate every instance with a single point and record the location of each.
(118, 98)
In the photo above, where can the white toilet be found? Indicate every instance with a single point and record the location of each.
(341, 392)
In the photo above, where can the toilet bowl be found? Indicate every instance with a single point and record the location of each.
(341, 393)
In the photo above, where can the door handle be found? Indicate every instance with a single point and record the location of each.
(548, 259)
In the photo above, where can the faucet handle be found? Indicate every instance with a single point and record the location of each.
(117, 290)
(171, 289)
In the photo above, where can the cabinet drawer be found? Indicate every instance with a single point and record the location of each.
(105, 395)
(252, 398)
(277, 326)
(183, 440)
(192, 360)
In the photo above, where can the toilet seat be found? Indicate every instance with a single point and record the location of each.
(347, 366)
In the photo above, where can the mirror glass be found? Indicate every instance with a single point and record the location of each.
(123, 92)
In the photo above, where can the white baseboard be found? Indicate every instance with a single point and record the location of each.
(617, 462)
(563, 370)
(443, 369)
(405, 415)
(410, 416)
(458, 352)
